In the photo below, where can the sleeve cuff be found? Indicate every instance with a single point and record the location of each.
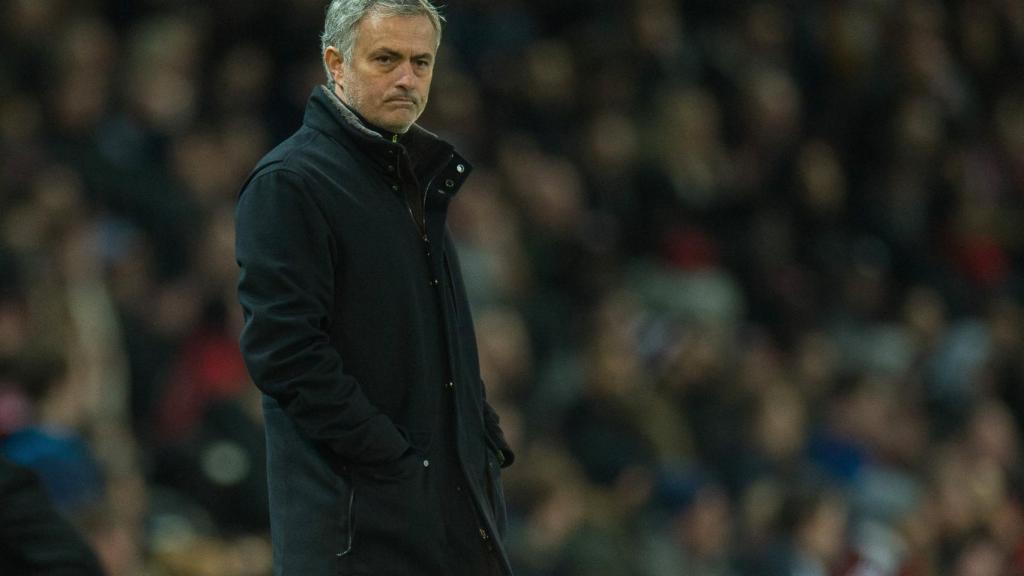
(384, 442)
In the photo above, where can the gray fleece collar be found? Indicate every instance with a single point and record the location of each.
(415, 131)
(347, 115)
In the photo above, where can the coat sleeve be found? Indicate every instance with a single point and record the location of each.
(284, 249)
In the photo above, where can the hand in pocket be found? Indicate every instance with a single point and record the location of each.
(402, 468)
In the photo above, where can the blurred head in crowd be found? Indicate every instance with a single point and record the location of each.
(815, 516)
(162, 65)
(379, 57)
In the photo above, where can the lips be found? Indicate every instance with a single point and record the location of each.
(408, 101)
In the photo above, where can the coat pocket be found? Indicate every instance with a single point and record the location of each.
(346, 544)
(349, 522)
(393, 530)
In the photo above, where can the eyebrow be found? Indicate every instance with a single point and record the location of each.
(397, 54)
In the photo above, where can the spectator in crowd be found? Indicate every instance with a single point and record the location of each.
(34, 538)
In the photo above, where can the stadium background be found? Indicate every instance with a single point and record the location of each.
(747, 275)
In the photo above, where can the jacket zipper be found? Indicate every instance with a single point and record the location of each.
(421, 225)
(426, 249)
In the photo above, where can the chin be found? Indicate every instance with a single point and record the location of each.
(403, 120)
(399, 127)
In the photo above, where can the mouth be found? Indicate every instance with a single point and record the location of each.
(402, 102)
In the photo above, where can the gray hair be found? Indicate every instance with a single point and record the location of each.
(343, 17)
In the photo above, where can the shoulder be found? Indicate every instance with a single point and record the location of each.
(290, 157)
(304, 158)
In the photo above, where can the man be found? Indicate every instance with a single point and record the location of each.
(383, 453)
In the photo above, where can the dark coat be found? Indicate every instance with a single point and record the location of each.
(358, 332)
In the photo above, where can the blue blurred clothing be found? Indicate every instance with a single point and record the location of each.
(63, 461)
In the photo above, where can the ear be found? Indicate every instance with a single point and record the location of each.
(335, 64)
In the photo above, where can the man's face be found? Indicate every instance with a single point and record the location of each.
(388, 79)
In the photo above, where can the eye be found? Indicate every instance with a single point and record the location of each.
(382, 59)
(422, 63)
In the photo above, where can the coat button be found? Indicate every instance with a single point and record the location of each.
(460, 168)
(449, 183)
(394, 187)
(426, 463)
(434, 282)
(451, 384)
(391, 167)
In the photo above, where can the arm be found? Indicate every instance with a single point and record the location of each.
(286, 288)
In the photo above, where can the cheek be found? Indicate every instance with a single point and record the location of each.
(382, 87)
(424, 92)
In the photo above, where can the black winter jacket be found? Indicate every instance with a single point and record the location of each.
(358, 332)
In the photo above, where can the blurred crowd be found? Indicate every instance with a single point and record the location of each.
(748, 277)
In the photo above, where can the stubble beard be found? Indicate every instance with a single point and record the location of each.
(353, 95)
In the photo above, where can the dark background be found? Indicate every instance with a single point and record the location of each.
(747, 276)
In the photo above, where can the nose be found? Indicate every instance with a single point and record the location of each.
(406, 75)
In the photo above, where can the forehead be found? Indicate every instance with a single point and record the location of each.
(411, 34)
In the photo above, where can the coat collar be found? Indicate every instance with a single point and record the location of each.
(350, 119)
(432, 159)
